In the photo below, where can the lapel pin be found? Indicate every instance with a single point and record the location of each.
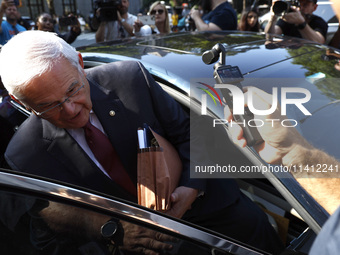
(112, 113)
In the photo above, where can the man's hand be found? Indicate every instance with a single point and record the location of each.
(137, 25)
(195, 13)
(75, 28)
(5, 4)
(278, 140)
(144, 241)
(181, 200)
(295, 17)
(119, 17)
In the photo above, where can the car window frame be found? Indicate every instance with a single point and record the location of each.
(28, 184)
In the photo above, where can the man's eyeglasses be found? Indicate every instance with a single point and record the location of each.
(74, 93)
(160, 11)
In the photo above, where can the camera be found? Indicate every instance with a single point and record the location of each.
(68, 21)
(227, 74)
(108, 9)
(282, 6)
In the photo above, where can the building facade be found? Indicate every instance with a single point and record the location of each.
(33, 8)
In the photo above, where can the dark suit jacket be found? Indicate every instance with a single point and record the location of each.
(126, 88)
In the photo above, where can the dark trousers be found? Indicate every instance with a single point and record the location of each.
(243, 221)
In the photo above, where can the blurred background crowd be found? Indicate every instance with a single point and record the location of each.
(86, 11)
(112, 19)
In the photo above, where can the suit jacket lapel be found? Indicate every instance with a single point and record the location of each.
(66, 150)
(113, 117)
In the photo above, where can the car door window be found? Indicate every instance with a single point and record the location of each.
(26, 229)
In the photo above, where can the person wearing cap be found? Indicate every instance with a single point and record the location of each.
(185, 10)
(299, 22)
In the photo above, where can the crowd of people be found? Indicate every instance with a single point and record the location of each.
(210, 15)
(215, 15)
(14, 24)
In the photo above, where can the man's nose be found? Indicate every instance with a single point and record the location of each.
(68, 107)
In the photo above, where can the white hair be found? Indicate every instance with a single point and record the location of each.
(30, 54)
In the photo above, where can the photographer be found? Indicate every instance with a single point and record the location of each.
(45, 22)
(299, 22)
(112, 28)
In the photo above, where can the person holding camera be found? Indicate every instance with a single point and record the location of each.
(162, 24)
(10, 26)
(220, 16)
(112, 28)
(46, 23)
(298, 21)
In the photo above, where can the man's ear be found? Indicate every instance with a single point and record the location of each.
(80, 59)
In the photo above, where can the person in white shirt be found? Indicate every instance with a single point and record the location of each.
(116, 29)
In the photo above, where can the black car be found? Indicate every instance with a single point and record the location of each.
(175, 61)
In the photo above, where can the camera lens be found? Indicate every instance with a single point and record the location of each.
(279, 7)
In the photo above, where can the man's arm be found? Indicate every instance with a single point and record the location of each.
(295, 17)
(271, 27)
(127, 26)
(200, 24)
(284, 145)
(3, 7)
(310, 34)
(176, 125)
(78, 222)
(100, 34)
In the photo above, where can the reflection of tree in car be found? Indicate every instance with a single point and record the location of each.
(314, 63)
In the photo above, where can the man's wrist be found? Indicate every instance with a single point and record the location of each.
(273, 16)
(122, 21)
(301, 25)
